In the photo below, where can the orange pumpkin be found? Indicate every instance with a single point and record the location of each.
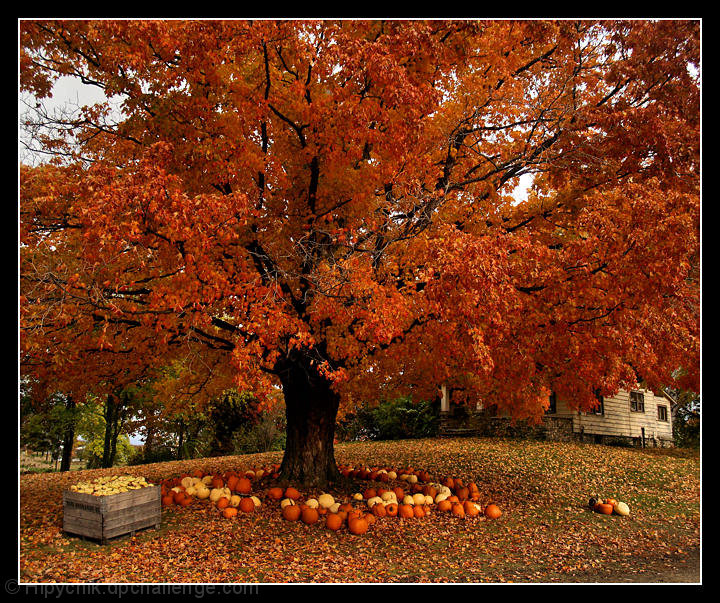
(399, 493)
(309, 515)
(334, 521)
(291, 512)
(229, 512)
(347, 507)
(358, 526)
(370, 518)
(419, 512)
(292, 494)
(463, 493)
(444, 505)
(178, 497)
(222, 503)
(217, 482)
(453, 499)
(275, 493)
(185, 501)
(492, 511)
(610, 501)
(168, 500)
(406, 511)
(378, 510)
(470, 509)
(370, 493)
(246, 505)
(458, 510)
(604, 508)
(391, 510)
(243, 486)
(232, 482)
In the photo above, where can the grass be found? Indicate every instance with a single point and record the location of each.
(546, 532)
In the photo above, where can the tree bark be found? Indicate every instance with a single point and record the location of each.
(311, 408)
(69, 436)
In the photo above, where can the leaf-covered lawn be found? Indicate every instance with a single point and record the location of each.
(546, 532)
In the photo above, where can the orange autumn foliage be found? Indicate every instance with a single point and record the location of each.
(342, 199)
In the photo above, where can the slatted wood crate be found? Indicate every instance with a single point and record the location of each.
(105, 517)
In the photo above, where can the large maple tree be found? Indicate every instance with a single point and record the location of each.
(327, 206)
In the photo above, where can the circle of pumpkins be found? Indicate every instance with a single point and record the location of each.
(419, 496)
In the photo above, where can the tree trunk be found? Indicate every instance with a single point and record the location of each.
(69, 436)
(311, 408)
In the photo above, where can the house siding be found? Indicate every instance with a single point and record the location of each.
(618, 423)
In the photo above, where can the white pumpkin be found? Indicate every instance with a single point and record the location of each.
(216, 494)
(191, 491)
(186, 482)
(621, 508)
(441, 497)
(207, 480)
(256, 501)
(418, 499)
(408, 500)
(429, 500)
(358, 496)
(389, 496)
(412, 479)
(234, 500)
(335, 508)
(259, 473)
(312, 503)
(286, 502)
(373, 501)
(326, 501)
(404, 477)
(202, 492)
(392, 475)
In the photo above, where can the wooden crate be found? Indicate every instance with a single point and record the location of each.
(105, 517)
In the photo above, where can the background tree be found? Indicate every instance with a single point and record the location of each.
(326, 206)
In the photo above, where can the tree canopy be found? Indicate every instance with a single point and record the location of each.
(328, 206)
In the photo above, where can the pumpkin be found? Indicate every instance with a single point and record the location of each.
(492, 511)
(223, 502)
(408, 500)
(358, 525)
(168, 500)
(243, 486)
(357, 496)
(309, 515)
(347, 507)
(234, 500)
(191, 491)
(610, 501)
(399, 493)
(229, 512)
(178, 497)
(285, 502)
(186, 482)
(458, 510)
(326, 501)
(291, 512)
(444, 505)
(185, 501)
(202, 492)
(392, 475)
(232, 482)
(217, 482)
(391, 509)
(275, 493)
(370, 493)
(312, 503)
(453, 499)
(405, 511)
(292, 494)
(604, 509)
(441, 497)
(413, 479)
(247, 505)
(419, 512)
(198, 473)
(333, 521)
(463, 493)
(207, 480)
(418, 499)
(378, 510)
(334, 508)
(471, 508)
(370, 518)
(388, 496)
(621, 509)
(375, 500)
(428, 500)
(256, 501)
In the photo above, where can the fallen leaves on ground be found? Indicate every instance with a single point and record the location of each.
(546, 532)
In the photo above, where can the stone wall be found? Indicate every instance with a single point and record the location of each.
(459, 422)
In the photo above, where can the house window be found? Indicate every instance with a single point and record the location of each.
(552, 408)
(662, 413)
(637, 402)
(600, 408)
